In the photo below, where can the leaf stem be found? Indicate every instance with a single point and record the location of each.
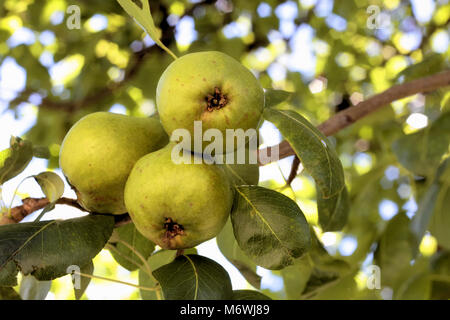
(146, 269)
(14, 195)
(139, 255)
(109, 246)
(168, 51)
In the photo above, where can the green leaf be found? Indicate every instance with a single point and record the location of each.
(421, 152)
(326, 270)
(230, 249)
(249, 295)
(4, 154)
(84, 281)
(296, 277)
(440, 290)
(333, 212)
(440, 220)
(155, 261)
(193, 277)
(346, 9)
(324, 261)
(46, 209)
(415, 288)
(274, 97)
(8, 293)
(15, 159)
(341, 289)
(421, 219)
(441, 276)
(269, 227)
(440, 263)
(242, 174)
(432, 212)
(428, 66)
(241, 170)
(445, 102)
(46, 249)
(314, 150)
(8, 275)
(140, 11)
(318, 279)
(394, 251)
(125, 237)
(33, 289)
(51, 184)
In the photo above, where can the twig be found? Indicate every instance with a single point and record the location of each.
(294, 168)
(30, 205)
(350, 115)
(71, 202)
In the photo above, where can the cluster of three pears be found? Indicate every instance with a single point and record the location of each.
(176, 205)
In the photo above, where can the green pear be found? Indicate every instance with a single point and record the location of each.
(98, 153)
(177, 205)
(213, 88)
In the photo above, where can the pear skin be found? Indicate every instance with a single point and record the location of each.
(98, 153)
(213, 88)
(177, 206)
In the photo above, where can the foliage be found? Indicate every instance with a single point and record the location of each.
(374, 194)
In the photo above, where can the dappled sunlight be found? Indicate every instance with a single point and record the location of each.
(96, 23)
(428, 245)
(66, 70)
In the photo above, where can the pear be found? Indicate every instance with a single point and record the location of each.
(98, 153)
(177, 205)
(213, 88)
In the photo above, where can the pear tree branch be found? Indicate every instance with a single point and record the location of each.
(350, 115)
(30, 205)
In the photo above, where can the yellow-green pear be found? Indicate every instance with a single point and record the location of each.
(98, 153)
(176, 202)
(213, 88)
